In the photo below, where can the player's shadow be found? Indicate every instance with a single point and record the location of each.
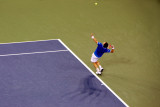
(88, 89)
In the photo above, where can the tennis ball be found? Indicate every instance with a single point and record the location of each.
(96, 4)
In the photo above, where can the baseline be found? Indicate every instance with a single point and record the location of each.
(29, 41)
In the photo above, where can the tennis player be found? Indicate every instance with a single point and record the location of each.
(100, 50)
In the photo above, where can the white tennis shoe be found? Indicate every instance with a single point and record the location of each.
(98, 73)
(101, 69)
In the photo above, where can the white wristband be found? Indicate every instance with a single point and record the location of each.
(92, 37)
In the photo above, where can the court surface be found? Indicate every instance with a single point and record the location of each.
(48, 74)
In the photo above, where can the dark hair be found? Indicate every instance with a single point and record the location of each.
(105, 45)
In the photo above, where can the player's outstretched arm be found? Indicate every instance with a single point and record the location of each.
(112, 48)
(94, 39)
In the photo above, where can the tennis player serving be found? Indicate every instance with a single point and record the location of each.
(100, 50)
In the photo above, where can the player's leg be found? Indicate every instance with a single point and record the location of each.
(97, 69)
(95, 65)
(94, 59)
(100, 67)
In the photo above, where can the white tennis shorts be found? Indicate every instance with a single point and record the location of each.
(94, 58)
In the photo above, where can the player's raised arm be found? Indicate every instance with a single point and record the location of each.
(94, 39)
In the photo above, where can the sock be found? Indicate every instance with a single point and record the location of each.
(100, 67)
(97, 69)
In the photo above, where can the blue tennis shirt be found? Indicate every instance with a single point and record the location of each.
(100, 50)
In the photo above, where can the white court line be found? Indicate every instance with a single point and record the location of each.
(95, 74)
(33, 53)
(29, 41)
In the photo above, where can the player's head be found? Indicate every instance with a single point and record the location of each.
(105, 44)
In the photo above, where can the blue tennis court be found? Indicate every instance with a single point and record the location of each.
(48, 74)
